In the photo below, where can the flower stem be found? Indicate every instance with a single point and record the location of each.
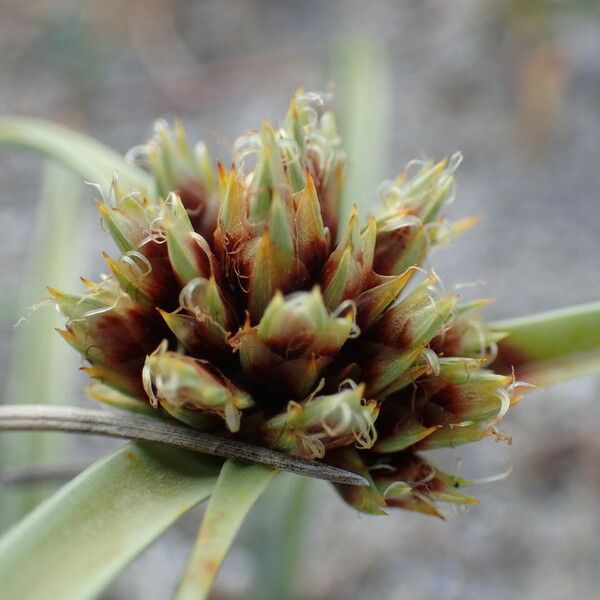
(138, 427)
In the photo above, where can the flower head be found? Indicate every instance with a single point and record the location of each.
(241, 305)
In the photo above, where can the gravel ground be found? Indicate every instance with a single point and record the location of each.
(516, 89)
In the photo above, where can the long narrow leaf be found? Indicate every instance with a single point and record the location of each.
(239, 486)
(75, 543)
(86, 156)
(42, 368)
(276, 535)
(553, 346)
(361, 65)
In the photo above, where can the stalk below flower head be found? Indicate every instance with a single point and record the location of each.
(240, 304)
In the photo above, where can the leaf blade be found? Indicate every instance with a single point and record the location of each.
(276, 536)
(76, 542)
(50, 371)
(238, 487)
(553, 346)
(86, 156)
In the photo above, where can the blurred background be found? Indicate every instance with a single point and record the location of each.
(513, 84)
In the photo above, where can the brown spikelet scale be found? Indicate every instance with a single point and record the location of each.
(240, 304)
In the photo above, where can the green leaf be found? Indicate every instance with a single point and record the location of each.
(239, 486)
(50, 371)
(75, 543)
(86, 156)
(553, 346)
(276, 534)
(361, 66)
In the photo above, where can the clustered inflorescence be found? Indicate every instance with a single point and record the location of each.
(242, 305)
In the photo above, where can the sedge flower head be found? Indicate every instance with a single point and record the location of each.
(239, 303)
